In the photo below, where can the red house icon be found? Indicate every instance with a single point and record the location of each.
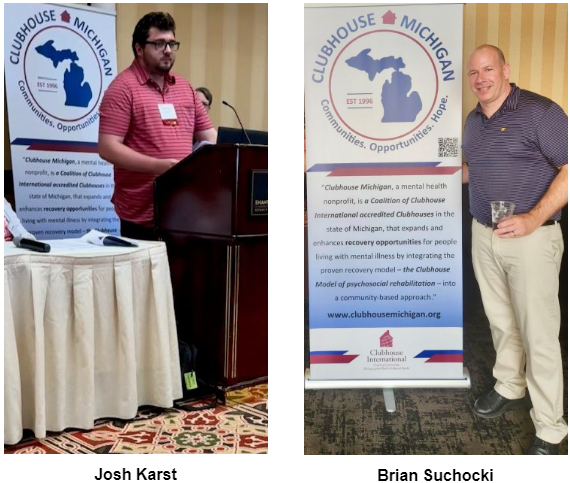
(65, 17)
(386, 339)
(389, 17)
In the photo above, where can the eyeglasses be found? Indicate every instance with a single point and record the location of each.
(160, 45)
(206, 105)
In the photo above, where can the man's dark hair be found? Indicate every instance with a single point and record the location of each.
(162, 21)
(207, 94)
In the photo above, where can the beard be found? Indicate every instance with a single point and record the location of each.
(164, 65)
(160, 66)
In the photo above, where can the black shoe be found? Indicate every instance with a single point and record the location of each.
(493, 405)
(542, 447)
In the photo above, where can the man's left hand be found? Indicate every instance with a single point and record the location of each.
(517, 226)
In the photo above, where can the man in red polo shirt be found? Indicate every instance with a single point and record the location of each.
(149, 118)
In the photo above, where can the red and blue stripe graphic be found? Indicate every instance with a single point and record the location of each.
(384, 169)
(57, 145)
(331, 357)
(341, 357)
(441, 356)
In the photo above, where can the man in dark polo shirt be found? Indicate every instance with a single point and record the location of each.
(516, 148)
(149, 118)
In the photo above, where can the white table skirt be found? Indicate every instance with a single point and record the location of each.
(86, 335)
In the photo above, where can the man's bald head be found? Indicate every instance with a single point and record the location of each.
(499, 52)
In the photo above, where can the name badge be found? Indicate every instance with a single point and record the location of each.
(167, 112)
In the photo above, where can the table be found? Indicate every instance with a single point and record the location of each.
(89, 332)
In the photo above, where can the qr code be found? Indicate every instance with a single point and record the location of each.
(448, 147)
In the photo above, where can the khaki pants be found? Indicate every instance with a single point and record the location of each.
(518, 279)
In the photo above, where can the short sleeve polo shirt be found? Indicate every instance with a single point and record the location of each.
(130, 109)
(515, 155)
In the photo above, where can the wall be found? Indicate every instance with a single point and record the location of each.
(223, 47)
(534, 39)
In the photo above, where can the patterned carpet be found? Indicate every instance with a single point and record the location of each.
(239, 427)
(427, 421)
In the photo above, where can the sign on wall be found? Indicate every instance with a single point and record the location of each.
(59, 59)
(383, 113)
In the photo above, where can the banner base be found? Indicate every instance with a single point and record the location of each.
(389, 400)
(462, 383)
(388, 385)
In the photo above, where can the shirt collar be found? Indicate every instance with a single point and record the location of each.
(143, 76)
(510, 103)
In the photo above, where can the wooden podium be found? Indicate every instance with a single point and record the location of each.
(211, 210)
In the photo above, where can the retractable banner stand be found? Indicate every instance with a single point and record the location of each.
(383, 124)
(59, 59)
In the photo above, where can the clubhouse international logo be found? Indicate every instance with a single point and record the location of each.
(386, 339)
(384, 358)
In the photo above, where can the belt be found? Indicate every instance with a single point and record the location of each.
(490, 225)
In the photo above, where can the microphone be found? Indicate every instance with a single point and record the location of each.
(33, 245)
(239, 120)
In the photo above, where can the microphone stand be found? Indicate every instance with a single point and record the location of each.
(239, 120)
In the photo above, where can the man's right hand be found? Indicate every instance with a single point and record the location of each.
(163, 165)
(168, 163)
